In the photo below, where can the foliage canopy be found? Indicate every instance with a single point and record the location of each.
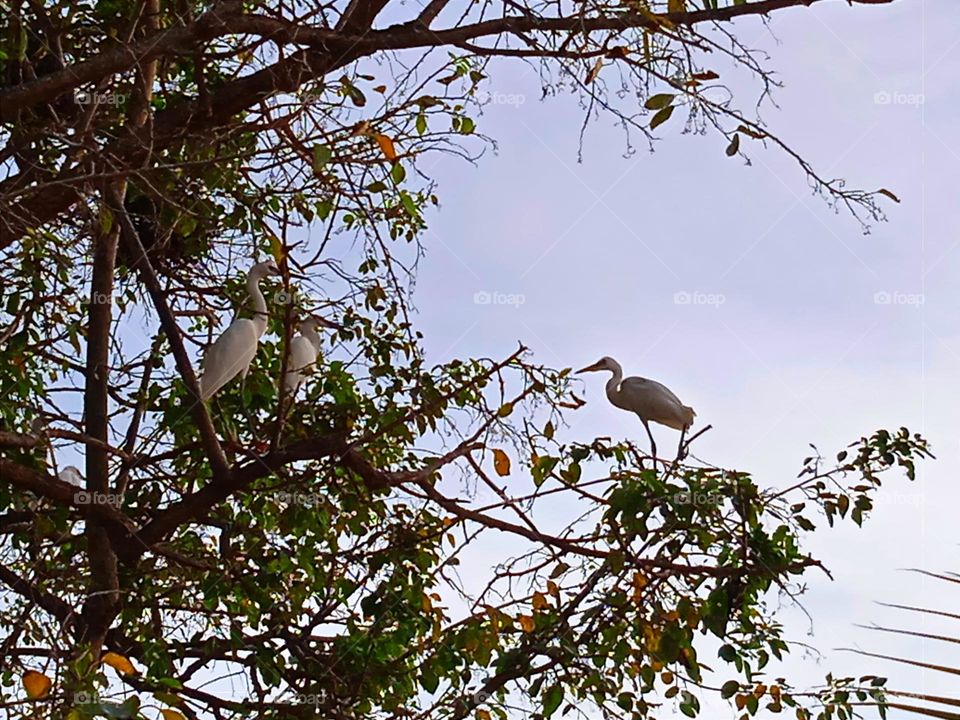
(257, 558)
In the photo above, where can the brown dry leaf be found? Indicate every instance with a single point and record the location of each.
(887, 193)
(501, 462)
(386, 146)
(527, 623)
(361, 128)
(36, 684)
(540, 601)
(119, 663)
(172, 714)
(594, 71)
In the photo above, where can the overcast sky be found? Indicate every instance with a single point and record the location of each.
(799, 328)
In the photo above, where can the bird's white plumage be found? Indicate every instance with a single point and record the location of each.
(231, 353)
(303, 354)
(229, 356)
(304, 349)
(71, 474)
(655, 401)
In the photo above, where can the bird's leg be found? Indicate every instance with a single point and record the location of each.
(653, 443)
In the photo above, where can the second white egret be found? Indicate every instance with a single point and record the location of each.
(304, 349)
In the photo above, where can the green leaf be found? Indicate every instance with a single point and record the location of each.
(658, 102)
(321, 156)
(734, 145)
(661, 117)
(552, 698)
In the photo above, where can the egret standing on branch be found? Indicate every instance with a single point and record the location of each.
(304, 349)
(232, 352)
(650, 400)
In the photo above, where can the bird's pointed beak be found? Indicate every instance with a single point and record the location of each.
(590, 368)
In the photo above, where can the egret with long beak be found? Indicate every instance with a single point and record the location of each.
(304, 348)
(232, 352)
(651, 401)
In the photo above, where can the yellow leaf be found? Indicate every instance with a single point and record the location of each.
(501, 463)
(676, 6)
(483, 715)
(276, 248)
(119, 663)
(540, 601)
(36, 684)
(172, 714)
(527, 623)
(387, 146)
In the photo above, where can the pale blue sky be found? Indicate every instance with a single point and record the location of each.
(800, 350)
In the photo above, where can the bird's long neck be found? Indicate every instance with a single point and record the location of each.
(259, 304)
(311, 334)
(613, 384)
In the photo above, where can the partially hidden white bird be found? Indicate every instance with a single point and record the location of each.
(232, 352)
(650, 400)
(304, 348)
(71, 474)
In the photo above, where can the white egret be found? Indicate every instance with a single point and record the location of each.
(651, 401)
(71, 474)
(304, 349)
(232, 352)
